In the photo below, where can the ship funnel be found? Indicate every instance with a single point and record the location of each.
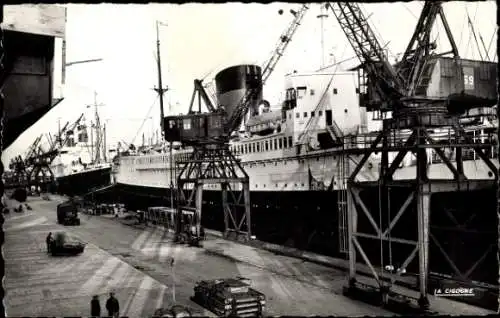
(232, 84)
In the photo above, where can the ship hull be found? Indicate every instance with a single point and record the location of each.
(309, 221)
(83, 182)
(280, 217)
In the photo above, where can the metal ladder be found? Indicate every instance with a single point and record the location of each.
(335, 132)
(425, 78)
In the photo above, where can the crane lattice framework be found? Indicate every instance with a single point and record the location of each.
(215, 164)
(211, 161)
(38, 163)
(411, 128)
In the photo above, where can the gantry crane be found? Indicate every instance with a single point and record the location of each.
(211, 161)
(403, 91)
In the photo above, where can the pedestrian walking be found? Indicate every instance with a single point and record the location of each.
(112, 305)
(95, 307)
(48, 240)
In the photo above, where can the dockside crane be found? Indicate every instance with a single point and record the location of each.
(32, 148)
(40, 162)
(211, 161)
(267, 68)
(405, 92)
(59, 137)
(19, 165)
(237, 116)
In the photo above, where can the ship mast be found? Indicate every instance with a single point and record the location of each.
(160, 90)
(322, 15)
(98, 133)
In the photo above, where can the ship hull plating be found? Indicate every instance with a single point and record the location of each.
(82, 183)
(309, 221)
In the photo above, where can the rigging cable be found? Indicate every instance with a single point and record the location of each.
(338, 63)
(321, 102)
(492, 37)
(471, 26)
(408, 9)
(484, 46)
(470, 35)
(464, 21)
(145, 119)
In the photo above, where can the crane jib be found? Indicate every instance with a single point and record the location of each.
(179, 127)
(243, 106)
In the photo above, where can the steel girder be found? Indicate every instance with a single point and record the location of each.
(417, 201)
(213, 164)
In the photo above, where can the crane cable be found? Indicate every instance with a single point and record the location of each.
(377, 34)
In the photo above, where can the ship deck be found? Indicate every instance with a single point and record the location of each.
(134, 262)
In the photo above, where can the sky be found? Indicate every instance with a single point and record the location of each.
(201, 39)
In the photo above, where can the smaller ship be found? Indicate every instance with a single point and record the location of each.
(82, 164)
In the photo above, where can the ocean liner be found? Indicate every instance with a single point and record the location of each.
(294, 160)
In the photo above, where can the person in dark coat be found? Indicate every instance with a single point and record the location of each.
(202, 232)
(95, 307)
(112, 305)
(48, 240)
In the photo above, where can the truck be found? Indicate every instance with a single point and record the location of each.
(67, 213)
(230, 297)
(63, 244)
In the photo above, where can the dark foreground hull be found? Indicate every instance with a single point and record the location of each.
(82, 183)
(309, 221)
